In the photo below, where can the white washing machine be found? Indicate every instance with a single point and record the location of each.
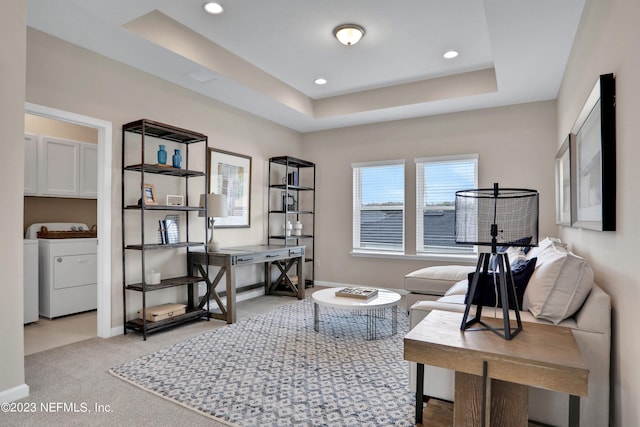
(68, 271)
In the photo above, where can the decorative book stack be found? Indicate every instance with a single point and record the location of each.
(360, 293)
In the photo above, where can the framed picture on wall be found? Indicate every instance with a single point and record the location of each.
(563, 182)
(594, 159)
(230, 174)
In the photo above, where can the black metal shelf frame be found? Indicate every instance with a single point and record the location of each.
(292, 164)
(146, 129)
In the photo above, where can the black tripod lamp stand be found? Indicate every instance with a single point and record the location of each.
(491, 217)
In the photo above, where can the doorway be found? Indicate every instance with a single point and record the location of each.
(104, 128)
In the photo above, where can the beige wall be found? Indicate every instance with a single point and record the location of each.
(49, 127)
(12, 87)
(607, 42)
(69, 78)
(514, 146)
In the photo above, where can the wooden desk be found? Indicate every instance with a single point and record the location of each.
(229, 258)
(493, 373)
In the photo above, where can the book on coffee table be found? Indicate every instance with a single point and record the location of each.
(361, 293)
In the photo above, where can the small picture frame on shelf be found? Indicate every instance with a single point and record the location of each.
(175, 200)
(149, 195)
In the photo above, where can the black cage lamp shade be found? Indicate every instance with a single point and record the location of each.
(497, 216)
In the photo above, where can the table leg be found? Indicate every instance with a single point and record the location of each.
(316, 317)
(394, 320)
(574, 411)
(419, 392)
(231, 290)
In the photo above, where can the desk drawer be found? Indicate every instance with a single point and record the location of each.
(297, 252)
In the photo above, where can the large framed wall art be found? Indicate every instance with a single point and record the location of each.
(563, 182)
(594, 159)
(230, 174)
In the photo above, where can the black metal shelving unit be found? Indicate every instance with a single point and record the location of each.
(292, 177)
(160, 132)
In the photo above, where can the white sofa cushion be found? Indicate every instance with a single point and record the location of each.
(436, 280)
(559, 285)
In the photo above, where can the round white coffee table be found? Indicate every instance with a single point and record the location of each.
(373, 307)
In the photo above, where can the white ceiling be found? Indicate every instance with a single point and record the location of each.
(263, 56)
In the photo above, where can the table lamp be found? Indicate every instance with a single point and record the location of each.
(216, 207)
(488, 217)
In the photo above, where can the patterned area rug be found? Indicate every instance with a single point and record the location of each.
(275, 370)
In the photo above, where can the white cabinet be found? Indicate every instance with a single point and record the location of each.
(58, 167)
(30, 164)
(88, 170)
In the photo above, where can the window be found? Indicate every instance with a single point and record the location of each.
(437, 180)
(378, 206)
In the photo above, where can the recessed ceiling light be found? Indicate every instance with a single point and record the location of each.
(320, 81)
(450, 54)
(212, 8)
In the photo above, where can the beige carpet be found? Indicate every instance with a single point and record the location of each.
(77, 375)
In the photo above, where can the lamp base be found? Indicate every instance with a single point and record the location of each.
(507, 294)
(213, 246)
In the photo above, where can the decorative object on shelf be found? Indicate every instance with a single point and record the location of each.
(287, 228)
(230, 175)
(162, 155)
(172, 227)
(594, 159)
(153, 278)
(360, 293)
(288, 202)
(175, 200)
(169, 230)
(563, 182)
(149, 195)
(292, 178)
(216, 207)
(297, 229)
(489, 216)
(176, 159)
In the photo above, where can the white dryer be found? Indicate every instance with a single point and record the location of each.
(68, 272)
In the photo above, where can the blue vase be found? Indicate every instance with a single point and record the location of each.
(162, 156)
(177, 159)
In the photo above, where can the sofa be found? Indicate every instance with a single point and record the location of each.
(560, 291)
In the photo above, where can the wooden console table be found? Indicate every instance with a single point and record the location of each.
(229, 258)
(493, 374)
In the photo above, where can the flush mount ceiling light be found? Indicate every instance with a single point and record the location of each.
(320, 81)
(348, 34)
(450, 54)
(212, 8)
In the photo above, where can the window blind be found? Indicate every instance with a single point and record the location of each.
(378, 206)
(437, 180)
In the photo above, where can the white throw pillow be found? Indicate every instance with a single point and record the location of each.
(544, 244)
(559, 285)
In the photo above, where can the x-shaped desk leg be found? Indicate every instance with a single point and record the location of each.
(211, 292)
(284, 270)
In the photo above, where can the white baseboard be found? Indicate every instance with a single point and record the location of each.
(118, 330)
(15, 393)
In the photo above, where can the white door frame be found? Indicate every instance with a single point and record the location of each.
(105, 142)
